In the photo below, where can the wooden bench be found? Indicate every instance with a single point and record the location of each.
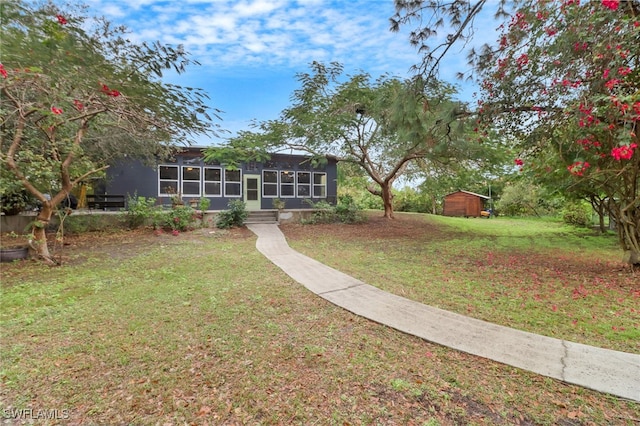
(105, 202)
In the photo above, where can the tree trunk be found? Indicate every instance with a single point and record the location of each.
(387, 200)
(39, 233)
(598, 205)
(601, 212)
(628, 225)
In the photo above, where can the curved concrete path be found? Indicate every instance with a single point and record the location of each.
(604, 370)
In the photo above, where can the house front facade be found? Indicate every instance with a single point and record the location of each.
(292, 179)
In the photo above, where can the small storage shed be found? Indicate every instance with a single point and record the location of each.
(464, 203)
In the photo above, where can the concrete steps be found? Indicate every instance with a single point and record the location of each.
(262, 217)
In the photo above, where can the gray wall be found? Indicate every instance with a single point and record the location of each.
(132, 177)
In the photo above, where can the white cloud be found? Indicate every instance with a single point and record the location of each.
(283, 33)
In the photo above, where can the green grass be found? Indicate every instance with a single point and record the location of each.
(535, 275)
(201, 329)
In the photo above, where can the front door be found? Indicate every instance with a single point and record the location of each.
(252, 191)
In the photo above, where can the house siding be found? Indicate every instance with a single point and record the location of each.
(133, 177)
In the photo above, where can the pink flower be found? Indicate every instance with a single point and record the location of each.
(3, 71)
(522, 60)
(624, 152)
(519, 162)
(175, 232)
(56, 111)
(578, 168)
(105, 89)
(624, 71)
(79, 106)
(611, 83)
(61, 20)
(611, 4)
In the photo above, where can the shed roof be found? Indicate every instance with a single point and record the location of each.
(471, 193)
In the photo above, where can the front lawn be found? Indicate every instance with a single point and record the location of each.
(136, 328)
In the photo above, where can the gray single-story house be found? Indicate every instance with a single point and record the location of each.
(290, 178)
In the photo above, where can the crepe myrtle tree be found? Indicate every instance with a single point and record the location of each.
(382, 126)
(563, 81)
(77, 94)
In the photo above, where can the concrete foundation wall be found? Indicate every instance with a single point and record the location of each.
(96, 220)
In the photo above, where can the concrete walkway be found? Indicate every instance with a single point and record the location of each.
(604, 370)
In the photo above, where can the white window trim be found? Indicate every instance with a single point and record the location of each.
(292, 184)
(233, 181)
(177, 181)
(308, 185)
(277, 184)
(314, 185)
(204, 182)
(199, 181)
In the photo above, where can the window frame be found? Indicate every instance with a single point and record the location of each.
(322, 185)
(160, 180)
(287, 184)
(205, 181)
(239, 183)
(276, 183)
(307, 185)
(183, 181)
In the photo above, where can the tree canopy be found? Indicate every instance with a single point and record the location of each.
(563, 83)
(77, 93)
(383, 125)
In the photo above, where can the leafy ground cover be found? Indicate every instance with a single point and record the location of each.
(538, 276)
(137, 328)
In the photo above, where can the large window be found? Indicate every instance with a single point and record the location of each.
(287, 184)
(213, 181)
(191, 181)
(269, 183)
(319, 185)
(232, 183)
(303, 184)
(168, 180)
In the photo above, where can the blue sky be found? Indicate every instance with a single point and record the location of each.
(250, 50)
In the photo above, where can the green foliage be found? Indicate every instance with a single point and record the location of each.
(577, 214)
(203, 204)
(409, 200)
(234, 216)
(139, 211)
(14, 201)
(379, 125)
(181, 218)
(561, 84)
(345, 211)
(159, 218)
(523, 198)
(85, 96)
(278, 203)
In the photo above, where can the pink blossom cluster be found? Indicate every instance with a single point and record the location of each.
(611, 4)
(105, 89)
(623, 152)
(578, 168)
